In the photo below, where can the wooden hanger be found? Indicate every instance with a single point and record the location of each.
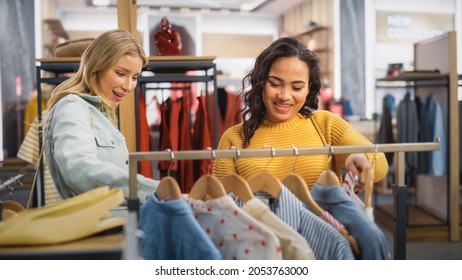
(13, 206)
(207, 185)
(297, 185)
(367, 178)
(266, 182)
(238, 185)
(328, 178)
(168, 189)
(10, 208)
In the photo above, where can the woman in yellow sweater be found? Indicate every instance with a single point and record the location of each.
(281, 102)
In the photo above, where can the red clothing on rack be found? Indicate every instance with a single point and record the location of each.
(225, 119)
(144, 138)
(185, 167)
(201, 140)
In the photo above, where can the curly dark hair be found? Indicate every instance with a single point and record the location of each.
(253, 83)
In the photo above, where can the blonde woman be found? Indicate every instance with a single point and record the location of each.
(83, 146)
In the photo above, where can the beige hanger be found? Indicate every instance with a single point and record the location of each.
(328, 177)
(168, 187)
(207, 186)
(10, 209)
(367, 178)
(13, 206)
(266, 182)
(297, 185)
(236, 184)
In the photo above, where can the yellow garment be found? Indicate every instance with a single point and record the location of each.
(31, 112)
(67, 220)
(302, 133)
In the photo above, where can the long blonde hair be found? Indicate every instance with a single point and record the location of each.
(101, 54)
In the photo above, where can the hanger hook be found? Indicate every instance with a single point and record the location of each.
(273, 153)
(172, 157)
(296, 157)
(376, 150)
(213, 157)
(236, 157)
(331, 154)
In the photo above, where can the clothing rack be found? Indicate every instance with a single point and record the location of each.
(399, 189)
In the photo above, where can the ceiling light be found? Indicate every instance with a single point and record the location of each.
(101, 2)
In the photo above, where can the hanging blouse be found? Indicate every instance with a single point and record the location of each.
(235, 233)
(325, 241)
(294, 246)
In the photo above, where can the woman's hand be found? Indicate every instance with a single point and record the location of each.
(356, 163)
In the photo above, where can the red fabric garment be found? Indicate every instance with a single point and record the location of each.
(164, 140)
(144, 138)
(201, 140)
(169, 132)
(233, 105)
(185, 167)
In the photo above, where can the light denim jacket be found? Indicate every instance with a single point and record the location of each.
(85, 150)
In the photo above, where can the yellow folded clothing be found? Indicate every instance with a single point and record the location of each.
(71, 219)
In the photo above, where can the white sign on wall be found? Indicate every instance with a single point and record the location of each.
(408, 28)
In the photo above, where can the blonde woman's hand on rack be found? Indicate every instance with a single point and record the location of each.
(356, 163)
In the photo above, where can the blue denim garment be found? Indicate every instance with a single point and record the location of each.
(172, 233)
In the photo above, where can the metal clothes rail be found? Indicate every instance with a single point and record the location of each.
(399, 189)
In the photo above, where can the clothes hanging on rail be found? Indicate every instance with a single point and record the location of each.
(371, 240)
(407, 122)
(229, 106)
(424, 158)
(236, 234)
(294, 246)
(170, 232)
(201, 140)
(169, 133)
(144, 138)
(436, 128)
(178, 133)
(385, 134)
(325, 241)
(185, 167)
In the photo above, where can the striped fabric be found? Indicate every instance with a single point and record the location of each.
(332, 221)
(325, 241)
(29, 151)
